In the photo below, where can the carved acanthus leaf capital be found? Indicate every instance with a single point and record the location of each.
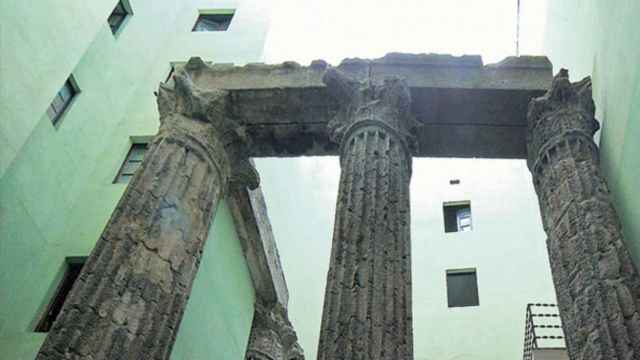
(388, 104)
(272, 335)
(180, 100)
(566, 109)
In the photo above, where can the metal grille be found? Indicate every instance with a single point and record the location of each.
(542, 329)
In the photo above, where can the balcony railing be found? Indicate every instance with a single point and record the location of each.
(543, 330)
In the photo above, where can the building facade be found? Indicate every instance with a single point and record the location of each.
(62, 157)
(78, 108)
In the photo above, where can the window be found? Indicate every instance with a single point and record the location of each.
(457, 216)
(72, 271)
(62, 100)
(462, 288)
(213, 20)
(118, 15)
(454, 182)
(131, 163)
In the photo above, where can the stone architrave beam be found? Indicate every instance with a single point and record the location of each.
(597, 284)
(272, 336)
(367, 303)
(132, 292)
(467, 109)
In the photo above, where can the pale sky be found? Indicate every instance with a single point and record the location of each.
(301, 192)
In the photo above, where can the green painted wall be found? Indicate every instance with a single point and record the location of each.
(56, 190)
(599, 38)
(218, 318)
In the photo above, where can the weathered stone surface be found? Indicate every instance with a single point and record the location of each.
(272, 336)
(132, 292)
(597, 285)
(367, 305)
(467, 109)
(256, 237)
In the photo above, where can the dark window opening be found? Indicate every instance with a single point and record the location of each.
(71, 273)
(454, 181)
(462, 288)
(62, 100)
(457, 216)
(117, 17)
(213, 22)
(131, 163)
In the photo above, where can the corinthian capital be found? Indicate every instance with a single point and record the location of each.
(185, 107)
(565, 110)
(387, 104)
(272, 335)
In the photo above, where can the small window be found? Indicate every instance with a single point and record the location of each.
(457, 216)
(62, 100)
(462, 288)
(131, 163)
(118, 15)
(73, 266)
(454, 182)
(213, 20)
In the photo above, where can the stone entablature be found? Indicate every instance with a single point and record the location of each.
(467, 109)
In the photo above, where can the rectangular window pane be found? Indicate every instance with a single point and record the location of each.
(66, 93)
(132, 163)
(213, 22)
(117, 16)
(61, 101)
(457, 216)
(462, 288)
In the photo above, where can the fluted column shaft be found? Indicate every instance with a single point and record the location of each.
(130, 297)
(597, 284)
(367, 305)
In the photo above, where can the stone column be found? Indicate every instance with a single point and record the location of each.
(272, 336)
(597, 285)
(133, 289)
(367, 305)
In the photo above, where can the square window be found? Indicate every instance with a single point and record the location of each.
(457, 216)
(73, 266)
(62, 100)
(118, 15)
(132, 163)
(213, 20)
(462, 288)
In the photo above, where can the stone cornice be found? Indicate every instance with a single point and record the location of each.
(467, 109)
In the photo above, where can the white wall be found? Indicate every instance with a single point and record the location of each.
(506, 246)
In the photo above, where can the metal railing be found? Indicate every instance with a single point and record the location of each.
(542, 329)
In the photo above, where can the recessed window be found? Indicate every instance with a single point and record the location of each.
(73, 266)
(62, 100)
(132, 163)
(213, 20)
(457, 216)
(118, 15)
(454, 182)
(462, 288)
